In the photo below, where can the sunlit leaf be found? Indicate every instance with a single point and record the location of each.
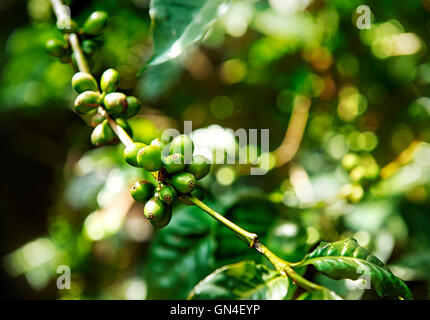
(243, 280)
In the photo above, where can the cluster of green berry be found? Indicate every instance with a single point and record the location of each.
(92, 27)
(116, 104)
(178, 172)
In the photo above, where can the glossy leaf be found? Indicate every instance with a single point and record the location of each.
(179, 24)
(346, 259)
(324, 294)
(243, 280)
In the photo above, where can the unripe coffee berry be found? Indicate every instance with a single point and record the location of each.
(155, 210)
(167, 194)
(130, 153)
(95, 23)
(165, 221)
(115, 103)
(109, 80)
(149, 158)
(82, 81)
(199, 167)
(162, 146)
(182, 144)
(56, 48)
(184, 182)
(142, 191)
(174, 163)
(88, 47)
(72, 27)
(103, 134)
(87, 101)
(133, 107)
(124, 124)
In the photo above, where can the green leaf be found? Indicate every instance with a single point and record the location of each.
(243, 280)
(324, 294)
(346, 259)
(181, 254)
(178, 24)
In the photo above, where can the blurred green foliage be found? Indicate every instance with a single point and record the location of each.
(362, 169)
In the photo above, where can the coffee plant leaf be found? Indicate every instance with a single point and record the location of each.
(181, 254)
(178, 24)
(324, 294)
(242, 280)
(346, 259)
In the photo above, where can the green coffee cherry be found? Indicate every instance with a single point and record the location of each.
(115, 103)
(174, 163)
(87, 101)
(160, 144)
(142, 191)
(95, 23)
(83, 81)
(155, 210)
(167, 194)
(133, 107)
(88, 47)
(130, 153)
(149, 158)
(182, 144)
(96, 119)
(56, 48)
(199, 167)
(72, 28)
(103, 134)
(184, 182)
(165, 221)
(109, 80)
(124, 124)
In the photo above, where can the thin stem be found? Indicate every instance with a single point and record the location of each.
(79, 55)
(282, 266)
(64, 17)
(243, 234)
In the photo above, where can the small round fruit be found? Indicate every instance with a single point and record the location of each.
(124, 124)
(130, 153)
(95, 23)
(56, 48)
(165, 221)
(115, 103)
(149, 158)
(88, 47)
(82, 81)
(184, 182)
(155, 210)
(109, 80)
(87, 101)
(199, 167)
(142, 191)
(133, 107)
(167, 194)
(174, 163)
(162, 146)
(72, 27)
(103, 134)
(96, 119)
(182, 144)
